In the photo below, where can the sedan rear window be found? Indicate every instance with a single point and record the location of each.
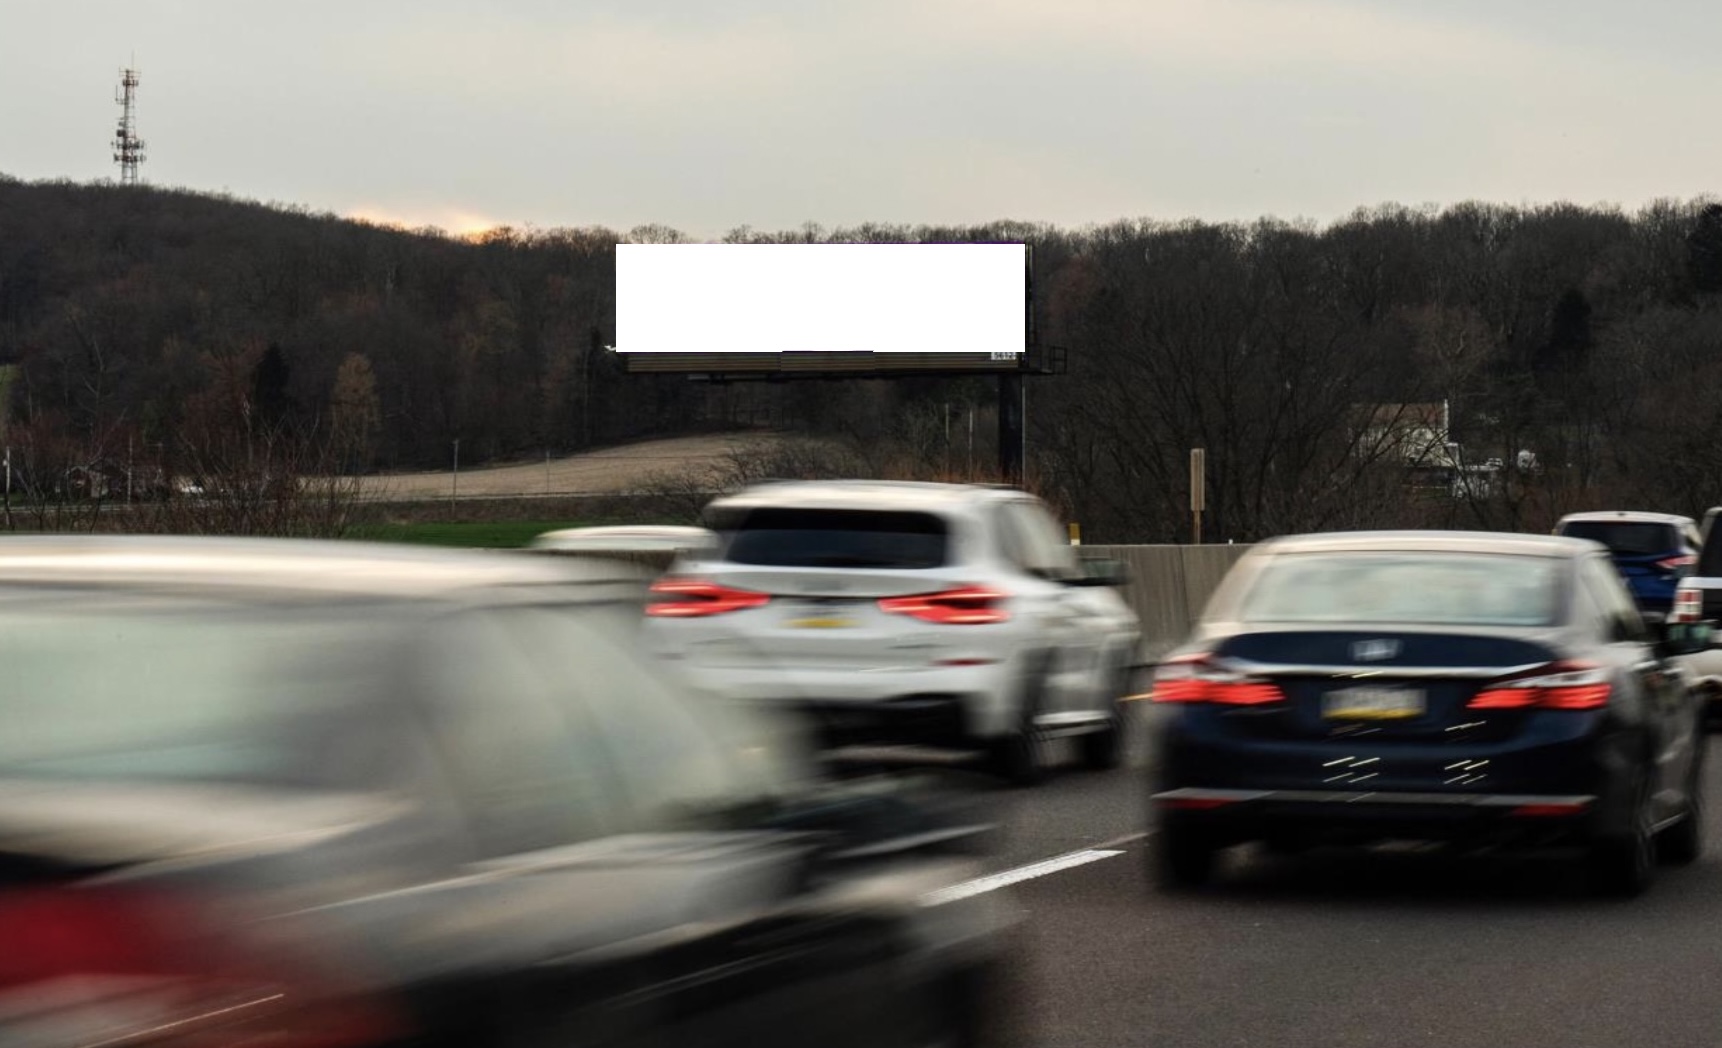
(1410, 588)
(1628, 538)
(828, 538)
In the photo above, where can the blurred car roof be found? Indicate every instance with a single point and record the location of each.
(626, 538)
(1432, 541)
(862, 494)
(306, 566)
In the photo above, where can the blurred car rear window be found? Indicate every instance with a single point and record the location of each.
(183, 691)
(1633, 539)
(1410, 588)
(827, 538)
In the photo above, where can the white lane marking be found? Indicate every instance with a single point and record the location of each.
(995, 881)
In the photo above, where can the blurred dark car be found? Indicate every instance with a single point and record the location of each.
(297, 794)
(1699, 599)
(1652, 551)
(1473, 688)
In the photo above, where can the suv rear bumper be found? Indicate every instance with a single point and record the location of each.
(925, 720)
(880, 702)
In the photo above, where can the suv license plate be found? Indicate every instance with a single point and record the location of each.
(822, 622)
(1373, 704)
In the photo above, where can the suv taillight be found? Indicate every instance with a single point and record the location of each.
(1671, 564)
(961, 606)
(1198, 678)
(694, 598)
(1558, 686)
(1688, 604)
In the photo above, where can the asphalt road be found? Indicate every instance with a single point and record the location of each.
(1345, 948)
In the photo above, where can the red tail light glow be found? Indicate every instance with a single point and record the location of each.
(962, 606)
(1685, 560)
(1688, 605)
(1558, 686)
(1197, 678)
(116, 966)
(1551, 811)
(697, 598)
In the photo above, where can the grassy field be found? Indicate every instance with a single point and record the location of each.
(500, 534)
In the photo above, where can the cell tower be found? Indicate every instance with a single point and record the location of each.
(128, 147)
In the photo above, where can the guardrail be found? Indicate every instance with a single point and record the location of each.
(1169, 586)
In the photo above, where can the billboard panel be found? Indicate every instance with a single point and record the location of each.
(944, 301)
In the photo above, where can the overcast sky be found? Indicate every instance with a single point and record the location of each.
(710, 114)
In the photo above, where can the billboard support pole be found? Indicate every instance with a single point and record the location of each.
(1010, 427)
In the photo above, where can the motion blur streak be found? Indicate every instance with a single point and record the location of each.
(323, 795)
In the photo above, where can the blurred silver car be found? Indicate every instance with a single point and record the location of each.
(948, 615)
(320, 794)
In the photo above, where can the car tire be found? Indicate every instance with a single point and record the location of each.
(1101, 750)
(1023, 757)
(1683, 843)
(1182, 858)
(1622, 866)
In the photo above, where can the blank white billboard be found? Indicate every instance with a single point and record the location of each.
(821, 298)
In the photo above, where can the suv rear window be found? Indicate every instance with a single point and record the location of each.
(832, 538)
(1632, 539)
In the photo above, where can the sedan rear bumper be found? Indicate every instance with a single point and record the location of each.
(1308, 817)
(1212, 799)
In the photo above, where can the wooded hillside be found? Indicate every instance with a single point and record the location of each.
(1577, 352)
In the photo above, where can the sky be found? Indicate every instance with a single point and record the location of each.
(708, 115)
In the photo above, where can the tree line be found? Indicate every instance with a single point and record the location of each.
(1476, 365)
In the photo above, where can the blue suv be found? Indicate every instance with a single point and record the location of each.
(1652, 551)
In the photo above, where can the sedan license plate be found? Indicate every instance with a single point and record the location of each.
(1373, 704)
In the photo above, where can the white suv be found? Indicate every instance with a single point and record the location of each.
(937, 614)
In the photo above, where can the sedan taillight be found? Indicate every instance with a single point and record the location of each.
(1197, 678)
(961, 606)
(695, 598)
(1688, 605)
(1559, 686)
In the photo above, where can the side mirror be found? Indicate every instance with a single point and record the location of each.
(1687, 638)
(1102, 571)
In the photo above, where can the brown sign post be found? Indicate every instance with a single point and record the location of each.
(1198, 491)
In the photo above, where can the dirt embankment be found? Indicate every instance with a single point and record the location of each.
(628, 469)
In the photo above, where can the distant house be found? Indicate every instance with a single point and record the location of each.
(1416, 435)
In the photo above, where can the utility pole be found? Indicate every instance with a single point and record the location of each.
(454, 477)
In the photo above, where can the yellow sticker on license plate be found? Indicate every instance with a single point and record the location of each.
(1373, 704)
(822, 622)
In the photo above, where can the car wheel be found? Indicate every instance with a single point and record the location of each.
(1024, 755)
(1102, 749)
(1622, 866)
(1683, 843)
(1181, 858)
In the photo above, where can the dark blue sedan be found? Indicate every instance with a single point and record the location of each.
(1482, 689)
